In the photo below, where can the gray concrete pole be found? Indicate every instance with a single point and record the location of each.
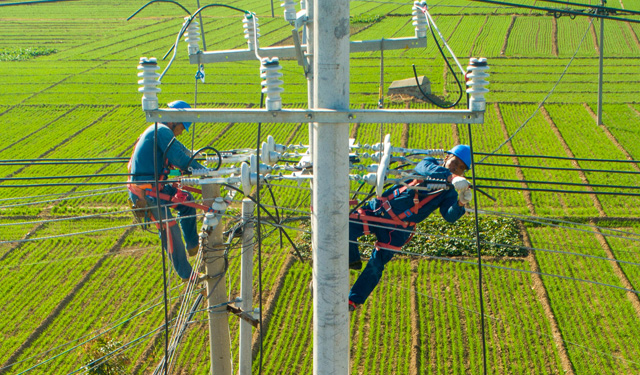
(601, 70)
(219, 345)
(308, 33)
(331, 190)
(246, 286)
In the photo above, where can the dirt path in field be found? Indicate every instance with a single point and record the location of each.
(554, 36)
(611, 137)
(271, 304)
(633, 297)
(634, 109)
(153, 344)
(526, 193)
(473, 45)
(633, 34)
(354, 130)
(543, 297)
(582, 175)
(455, 133)
(506, 37)
(414, 358)
(65, 301)
(52, 149)
(595, 37)
(404, 138)
(16, 246)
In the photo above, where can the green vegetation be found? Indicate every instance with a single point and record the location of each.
(22, 54)
(77, 98)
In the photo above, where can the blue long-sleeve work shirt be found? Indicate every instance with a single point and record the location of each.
(142, 158)
(447, 201)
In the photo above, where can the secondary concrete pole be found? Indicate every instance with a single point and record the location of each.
(246, 285)
(219, 345)
(308, 34)
(601, 70)
(330, 200)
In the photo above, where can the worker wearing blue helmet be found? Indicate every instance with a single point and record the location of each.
(393, 216)
(170, 153)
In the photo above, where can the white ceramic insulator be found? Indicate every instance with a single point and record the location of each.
(289, 10)
(419, 19)
(192, 36)
(251, 30)
(200, 172)
(219, 205)
(270, 73)
(476, 82)
(210, 221)
(149, 81)
(189, 181)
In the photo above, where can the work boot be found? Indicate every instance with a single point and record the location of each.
(193, 251)
(357, 265)
(353, 306)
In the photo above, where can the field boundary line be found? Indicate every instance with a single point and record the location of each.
(66, 140)
(30, 233)
(473, 45)
(59, 82)
(554, 36)
(611, 137)
(65, 301)
(633, 109)
(39, 129)
(506, 36)
(271, 304)
(594, 37)
(404, 137)
(145, 355)
(576, 165)
(633, 298)
(526, 193)
(543, 298)
(633, 34)
(415, 354)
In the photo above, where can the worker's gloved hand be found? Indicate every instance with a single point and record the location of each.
(460, 184)
(465, 197)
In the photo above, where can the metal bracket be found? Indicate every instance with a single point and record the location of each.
(243, 315)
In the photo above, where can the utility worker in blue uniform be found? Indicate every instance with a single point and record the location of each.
(169, 153)
(392, 217)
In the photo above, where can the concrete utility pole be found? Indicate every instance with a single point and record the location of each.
(220, 347)
(601, 69)
(246, 285)
(330, 201)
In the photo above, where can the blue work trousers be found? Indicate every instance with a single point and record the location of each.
(187, 225)
(393, 237)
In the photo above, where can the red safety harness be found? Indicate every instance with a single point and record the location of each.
(365, 217)
(180, 197)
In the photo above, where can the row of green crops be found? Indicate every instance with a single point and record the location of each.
(598, 323)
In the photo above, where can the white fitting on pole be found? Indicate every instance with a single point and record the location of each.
(330, 200)
(246, 286)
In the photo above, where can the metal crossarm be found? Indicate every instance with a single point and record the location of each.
(389, 116)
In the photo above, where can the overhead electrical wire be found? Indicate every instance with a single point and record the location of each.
(558, 168)
(556, 157)
(546, 97)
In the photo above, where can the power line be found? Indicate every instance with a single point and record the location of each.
(559, 191)
(556, 157)
(556, 168)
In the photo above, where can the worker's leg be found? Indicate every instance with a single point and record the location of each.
(188, 223)
(370, 276)
(355, 231)
(176, 251)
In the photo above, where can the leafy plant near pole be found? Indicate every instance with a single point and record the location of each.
(500, 238)
(103, 358)
(21, 54)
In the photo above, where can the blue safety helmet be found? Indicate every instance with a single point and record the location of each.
(180, 104)
(463, 152)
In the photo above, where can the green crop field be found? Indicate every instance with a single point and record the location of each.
(76, 274)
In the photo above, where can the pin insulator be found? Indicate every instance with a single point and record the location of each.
(270, 73)
(192, 36)
(289, 10)
(419, 18)
(251, 30)
(476, 74)
(149, 80)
